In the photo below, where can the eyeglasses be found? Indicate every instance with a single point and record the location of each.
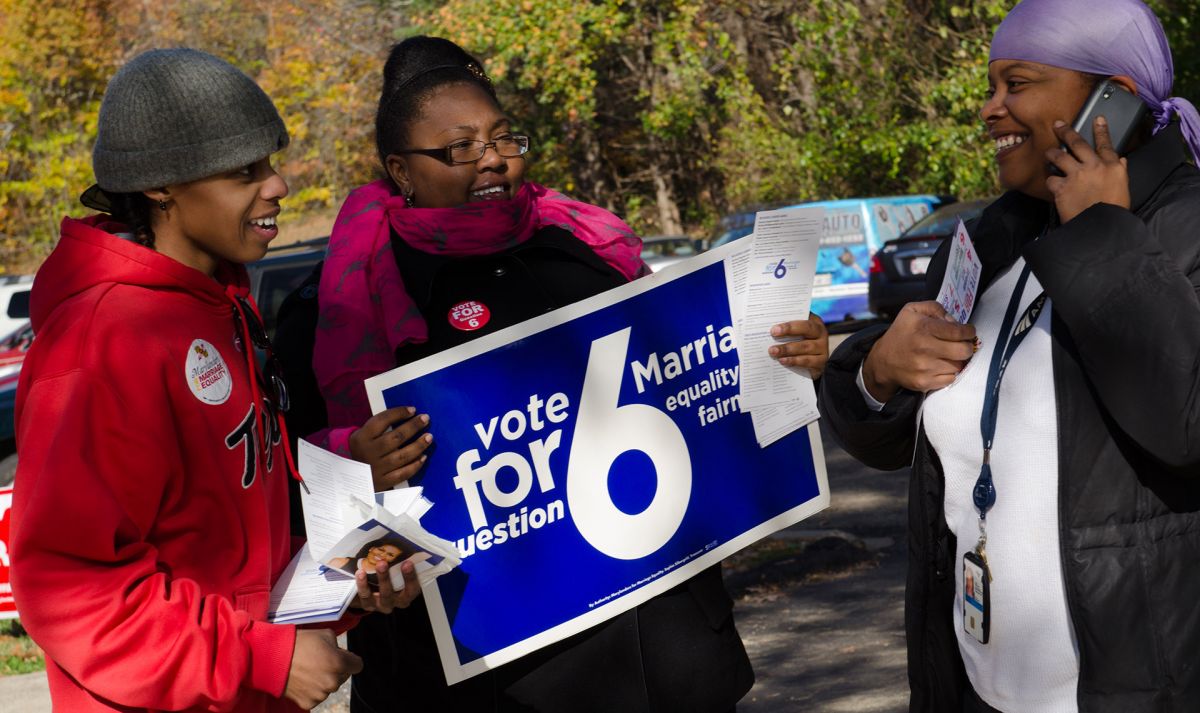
(471, 151)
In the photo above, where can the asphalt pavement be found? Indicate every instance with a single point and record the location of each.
(825, 627)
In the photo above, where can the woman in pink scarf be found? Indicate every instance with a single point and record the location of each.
(454, 244)
(366, 314)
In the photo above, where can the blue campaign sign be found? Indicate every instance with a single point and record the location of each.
(590, 459)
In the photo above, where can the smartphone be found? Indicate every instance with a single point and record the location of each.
(1123, 111)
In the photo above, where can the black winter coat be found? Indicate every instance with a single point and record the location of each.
(1125, 332)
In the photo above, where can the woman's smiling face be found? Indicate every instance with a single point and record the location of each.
(454, 113)
(1026, 98)
(382, 553)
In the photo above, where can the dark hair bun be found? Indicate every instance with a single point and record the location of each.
(422, 54)
(414, 69)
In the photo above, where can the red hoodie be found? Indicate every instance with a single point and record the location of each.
(148, 520)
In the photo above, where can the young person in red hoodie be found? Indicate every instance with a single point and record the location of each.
(151, 507)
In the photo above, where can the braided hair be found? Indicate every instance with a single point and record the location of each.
(415, 68)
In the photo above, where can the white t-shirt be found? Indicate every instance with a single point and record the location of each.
(1031, 662)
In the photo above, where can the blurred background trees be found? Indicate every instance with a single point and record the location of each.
(669, 112)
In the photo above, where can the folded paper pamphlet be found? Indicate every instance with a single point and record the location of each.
(351, 527)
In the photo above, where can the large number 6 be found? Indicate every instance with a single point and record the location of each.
(603, 431)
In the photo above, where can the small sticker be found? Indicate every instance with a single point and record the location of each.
(207, 374)
(469, 316)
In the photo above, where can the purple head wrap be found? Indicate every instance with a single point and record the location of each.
(1108, 37)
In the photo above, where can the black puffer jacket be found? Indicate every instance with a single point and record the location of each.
(1125, 333)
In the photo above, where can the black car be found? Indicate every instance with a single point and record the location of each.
(280, 272)
(897, 274)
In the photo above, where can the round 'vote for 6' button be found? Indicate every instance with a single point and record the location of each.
(469, 316)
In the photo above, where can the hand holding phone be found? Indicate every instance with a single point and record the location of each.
(1088, 169)
(1122, 110)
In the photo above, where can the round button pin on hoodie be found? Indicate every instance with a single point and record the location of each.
(469, 316)
(207, 375)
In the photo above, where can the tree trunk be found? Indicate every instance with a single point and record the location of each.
(669, 222)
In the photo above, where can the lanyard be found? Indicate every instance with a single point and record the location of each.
(984, 492)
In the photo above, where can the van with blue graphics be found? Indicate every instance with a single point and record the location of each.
(854, 229)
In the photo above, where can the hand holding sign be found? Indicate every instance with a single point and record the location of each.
(386, 443)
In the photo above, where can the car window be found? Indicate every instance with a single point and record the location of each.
(18, 305)
(277, 283)
(943, 220)
(731, 235)
(668, 248)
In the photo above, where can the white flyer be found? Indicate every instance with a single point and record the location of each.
(778, 289)
(331, 485)
(961, 281)
(774, 422)
(736, 265)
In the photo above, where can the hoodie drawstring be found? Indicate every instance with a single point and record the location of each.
(240, 303)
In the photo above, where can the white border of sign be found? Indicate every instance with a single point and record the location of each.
(375, 386)
(8, 493)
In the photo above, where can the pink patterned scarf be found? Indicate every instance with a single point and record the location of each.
(365, 312)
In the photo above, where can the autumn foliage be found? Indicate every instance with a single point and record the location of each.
(319, 60)
(670, 112)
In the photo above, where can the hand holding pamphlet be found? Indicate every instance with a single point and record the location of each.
(349, 528)
(769, 280)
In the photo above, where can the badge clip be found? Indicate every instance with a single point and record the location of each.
(976, 590)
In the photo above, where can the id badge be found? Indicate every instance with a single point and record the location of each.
(977, 610)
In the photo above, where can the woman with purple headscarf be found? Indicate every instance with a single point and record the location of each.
(1054, 539)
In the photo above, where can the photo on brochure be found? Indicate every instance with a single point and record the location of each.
(373, 542)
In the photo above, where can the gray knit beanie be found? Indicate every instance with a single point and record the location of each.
(176, 115)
